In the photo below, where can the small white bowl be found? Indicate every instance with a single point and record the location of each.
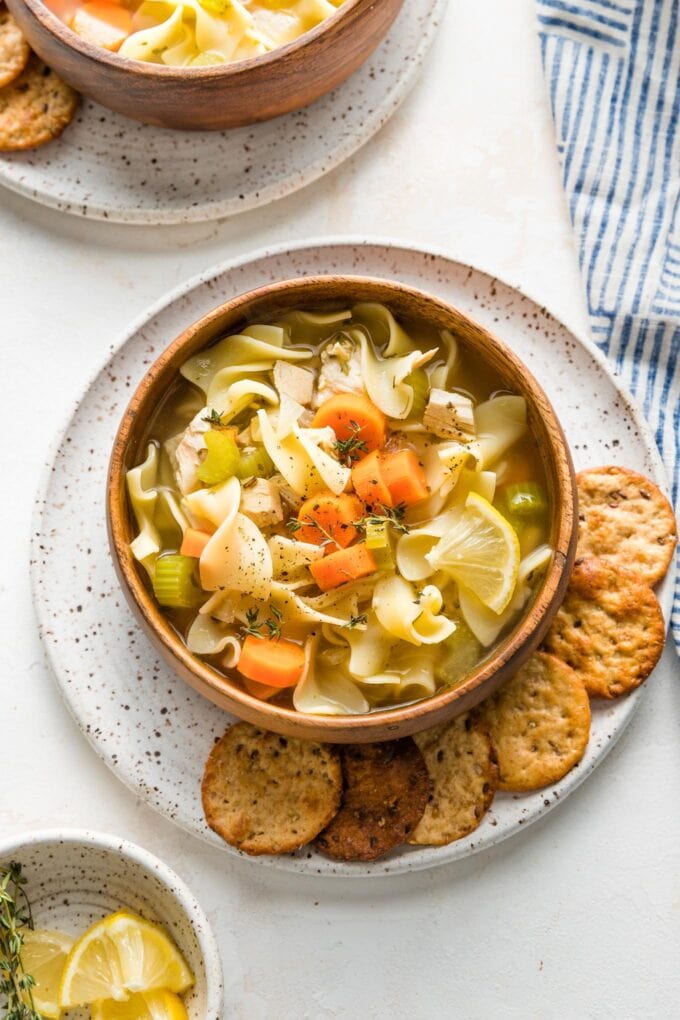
(75, 877)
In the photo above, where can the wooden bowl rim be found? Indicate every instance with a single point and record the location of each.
(343, 728)
(53, 24)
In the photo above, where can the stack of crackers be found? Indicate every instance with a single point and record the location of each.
(267, 794)
(35, 105)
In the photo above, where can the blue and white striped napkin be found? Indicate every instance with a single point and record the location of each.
(613, 72)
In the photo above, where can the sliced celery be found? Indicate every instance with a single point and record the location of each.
(376, 534)
(420, 382)
(174, 583)
(460, 653)
(526, 499)
(222, 460)
(384, 558)
(255, 464)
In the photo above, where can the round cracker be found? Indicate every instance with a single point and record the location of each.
(539, 722)
(14, 50)
(35, 108)
(462, 764)
(609, 629)
(268, 794)
(626, 519)
(386, 790)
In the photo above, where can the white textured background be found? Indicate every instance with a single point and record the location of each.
(579, 916)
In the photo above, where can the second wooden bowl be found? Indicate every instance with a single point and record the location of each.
(212, 98)
(265, 303)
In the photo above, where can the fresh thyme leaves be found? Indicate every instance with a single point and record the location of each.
(356, 621)
(393, 515)
(347, 450)
(213, 418)
(272, 624)
(294, 524)
(15, 913)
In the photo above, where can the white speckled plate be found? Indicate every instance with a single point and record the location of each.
(108, 167)
(143, 721)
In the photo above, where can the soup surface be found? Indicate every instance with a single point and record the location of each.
(192, 33)
(339, 510)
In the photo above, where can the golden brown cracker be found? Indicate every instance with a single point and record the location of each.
(386, 787)
(539, 722)
(14, 50)
(609, 629)
(462, 764)
(626, 519)
(268, 794)
(34, 108)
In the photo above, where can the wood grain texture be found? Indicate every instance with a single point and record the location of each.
(212, 98)
(265, 303)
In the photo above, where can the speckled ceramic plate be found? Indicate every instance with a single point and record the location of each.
(108, 167)
(142, 720)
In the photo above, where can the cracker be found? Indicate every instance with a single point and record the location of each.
(609, 629)
(14, 50)
(539, 722)
(386, 790)
(626, 519)
(35, 108)
(267, 794)
(462, 764)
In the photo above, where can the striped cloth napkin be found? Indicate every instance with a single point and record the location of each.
(613, 73)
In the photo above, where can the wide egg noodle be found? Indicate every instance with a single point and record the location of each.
(290, 558)
(297, 454)
(326, 692)
(412, 676)
(441, 374)
(500, 423)
(369, 648)
(384, 378)
(141, 486)
(237, 555)
(410, 617)
(384, 329)
(209, 637)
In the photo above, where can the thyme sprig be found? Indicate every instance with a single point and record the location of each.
(294, 524)
(393, 515)
(15, 913)
(348, 450)
(272, 624)
(356, 621)
(213, 417)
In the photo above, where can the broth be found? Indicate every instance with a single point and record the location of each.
(399, 623)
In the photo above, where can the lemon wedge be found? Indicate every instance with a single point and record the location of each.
(481, 552)
(118, 956)
(43, 955)
(158, 1005)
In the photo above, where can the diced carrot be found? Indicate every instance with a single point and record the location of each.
(194, 542)
(104, 24)
(329, 516)
(261, 691)
(369, 482)
(343, 566)
(271, 663)
(352, 415)
(404, 477)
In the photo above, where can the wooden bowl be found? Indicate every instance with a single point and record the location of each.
(212, 98)
(313, 292)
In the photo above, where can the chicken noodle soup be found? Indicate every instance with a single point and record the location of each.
(192, 33)
(340, 510)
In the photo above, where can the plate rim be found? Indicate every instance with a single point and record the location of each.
(209, 212)
(288, 862)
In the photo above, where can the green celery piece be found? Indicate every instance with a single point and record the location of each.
(222, 460)
(255, 464)
(384, 558)
(376, 534)
(174, 582)
(525, 499)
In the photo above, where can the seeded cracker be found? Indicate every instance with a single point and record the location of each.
(625, 519)
(14, 50)
(462, 764)
(386, 789)
(539, 722)
(609, 629)
(35, 108)
(267, 794)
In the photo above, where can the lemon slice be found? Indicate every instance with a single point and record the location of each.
(43, 955)
(481, 552)
(158, 1005)
(118, 956)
